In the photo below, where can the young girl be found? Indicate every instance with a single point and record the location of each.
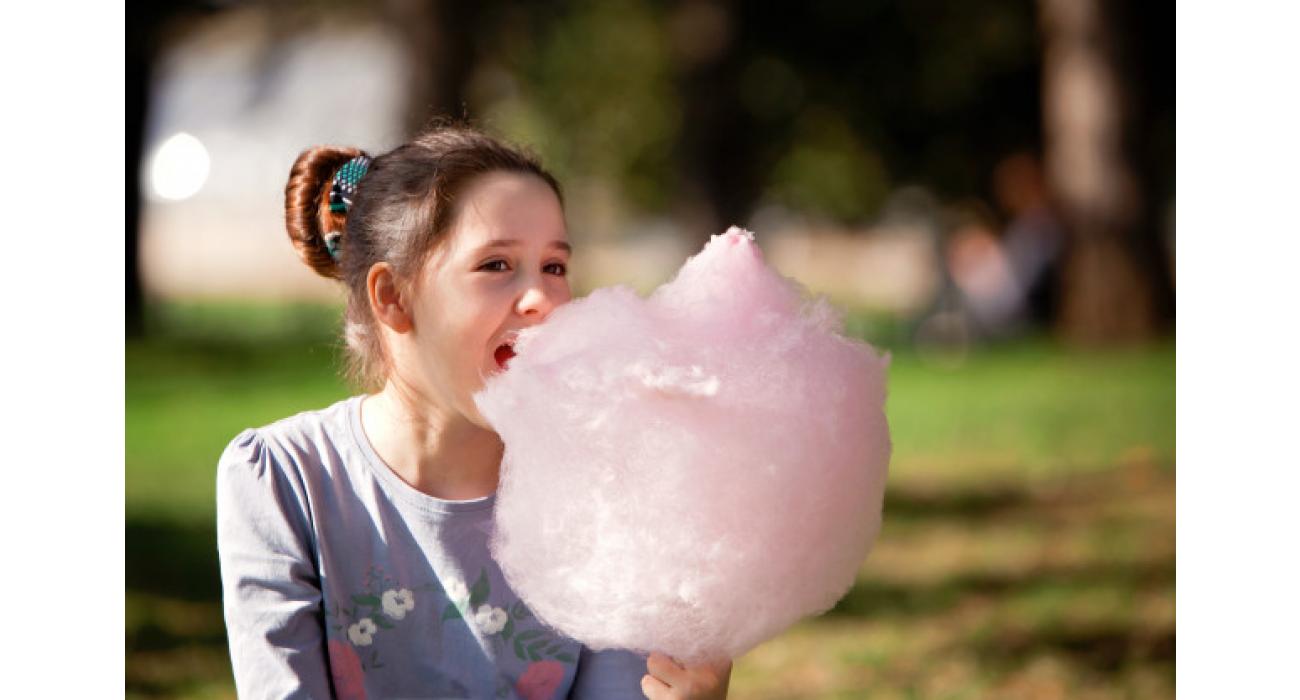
(353, 539)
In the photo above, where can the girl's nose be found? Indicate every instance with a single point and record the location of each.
(535, 302)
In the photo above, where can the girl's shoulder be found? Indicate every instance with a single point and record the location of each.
(315, 438)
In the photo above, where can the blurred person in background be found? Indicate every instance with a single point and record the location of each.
(353, 540)
(1008, 283)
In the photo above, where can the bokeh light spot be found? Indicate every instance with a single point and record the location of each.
(180, 167)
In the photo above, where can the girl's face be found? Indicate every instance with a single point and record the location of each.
(503, 266)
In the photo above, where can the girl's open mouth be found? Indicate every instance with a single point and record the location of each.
(503, 354)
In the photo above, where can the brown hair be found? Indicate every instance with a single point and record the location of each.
(403, 206)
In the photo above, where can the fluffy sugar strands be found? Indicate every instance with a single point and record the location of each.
(690, 473)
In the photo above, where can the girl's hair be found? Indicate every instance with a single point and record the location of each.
(403, 207)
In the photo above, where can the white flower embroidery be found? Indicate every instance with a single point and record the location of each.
(397, 602)
(363, 632)
(489, 619)
(456, 590)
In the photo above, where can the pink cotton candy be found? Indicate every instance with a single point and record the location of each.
(690, 473)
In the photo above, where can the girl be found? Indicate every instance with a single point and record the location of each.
(353, 539)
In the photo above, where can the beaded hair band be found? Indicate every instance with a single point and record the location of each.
(342, 189)
(344, 186)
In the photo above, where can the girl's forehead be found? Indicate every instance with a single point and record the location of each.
(507, 207)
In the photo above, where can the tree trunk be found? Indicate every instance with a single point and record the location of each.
(146, 22)
(139, 58)
(439, 38)
(1107, 292)
(718, 182)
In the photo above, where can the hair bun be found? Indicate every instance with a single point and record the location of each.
(308, 218)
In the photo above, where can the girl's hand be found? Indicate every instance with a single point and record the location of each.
(669, 680)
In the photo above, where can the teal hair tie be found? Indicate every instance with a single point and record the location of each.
(346, 179)
(332, 240)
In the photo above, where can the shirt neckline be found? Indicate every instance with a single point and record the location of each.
(394, 485)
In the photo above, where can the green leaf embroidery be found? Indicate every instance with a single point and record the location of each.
(527, 635)
(451, 613)
(372, 601)
(382, 621)
(533, 655)
(519, 649)
(479, 592)
(509, 629)
(522, 612)
(565, 658)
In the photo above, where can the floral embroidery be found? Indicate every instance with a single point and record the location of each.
(397, 603)
(489, 619)
(371, 613)
(540, 680)
(363, 632)
(346, 671)
(362, 618)
(470, 603)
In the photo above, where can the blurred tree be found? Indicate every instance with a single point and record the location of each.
(441, 41)
(831, 105)
(588, 84)
(717, 178)
(707, 109)
(149, 24)
(1115, 288)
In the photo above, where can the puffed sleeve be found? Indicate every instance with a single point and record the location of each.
(612, 673)
(270, 585)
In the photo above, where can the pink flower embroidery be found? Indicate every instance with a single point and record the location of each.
(540, 680)
(345, 668)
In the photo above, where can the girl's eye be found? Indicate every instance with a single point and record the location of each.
(501, 266)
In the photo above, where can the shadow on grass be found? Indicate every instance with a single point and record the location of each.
(176, 560)
(175, 639)
(1105, 650)
(877, 599)
(964, 504)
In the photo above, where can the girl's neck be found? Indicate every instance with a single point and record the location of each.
(436, 451)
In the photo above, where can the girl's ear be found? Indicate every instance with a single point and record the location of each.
(386, 300)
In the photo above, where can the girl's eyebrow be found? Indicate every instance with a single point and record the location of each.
(508, 242)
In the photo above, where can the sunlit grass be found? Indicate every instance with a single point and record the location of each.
(1061, 595)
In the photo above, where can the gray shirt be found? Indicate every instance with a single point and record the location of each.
(342, 580)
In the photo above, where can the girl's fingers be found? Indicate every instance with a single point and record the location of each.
(654, 688)
(665, 669)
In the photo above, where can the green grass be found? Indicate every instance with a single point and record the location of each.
(1027, 549)
(206, 373)
(1031, 410)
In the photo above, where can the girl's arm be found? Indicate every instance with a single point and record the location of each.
(271, 590)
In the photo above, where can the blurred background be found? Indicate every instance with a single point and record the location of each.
(986, 190)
